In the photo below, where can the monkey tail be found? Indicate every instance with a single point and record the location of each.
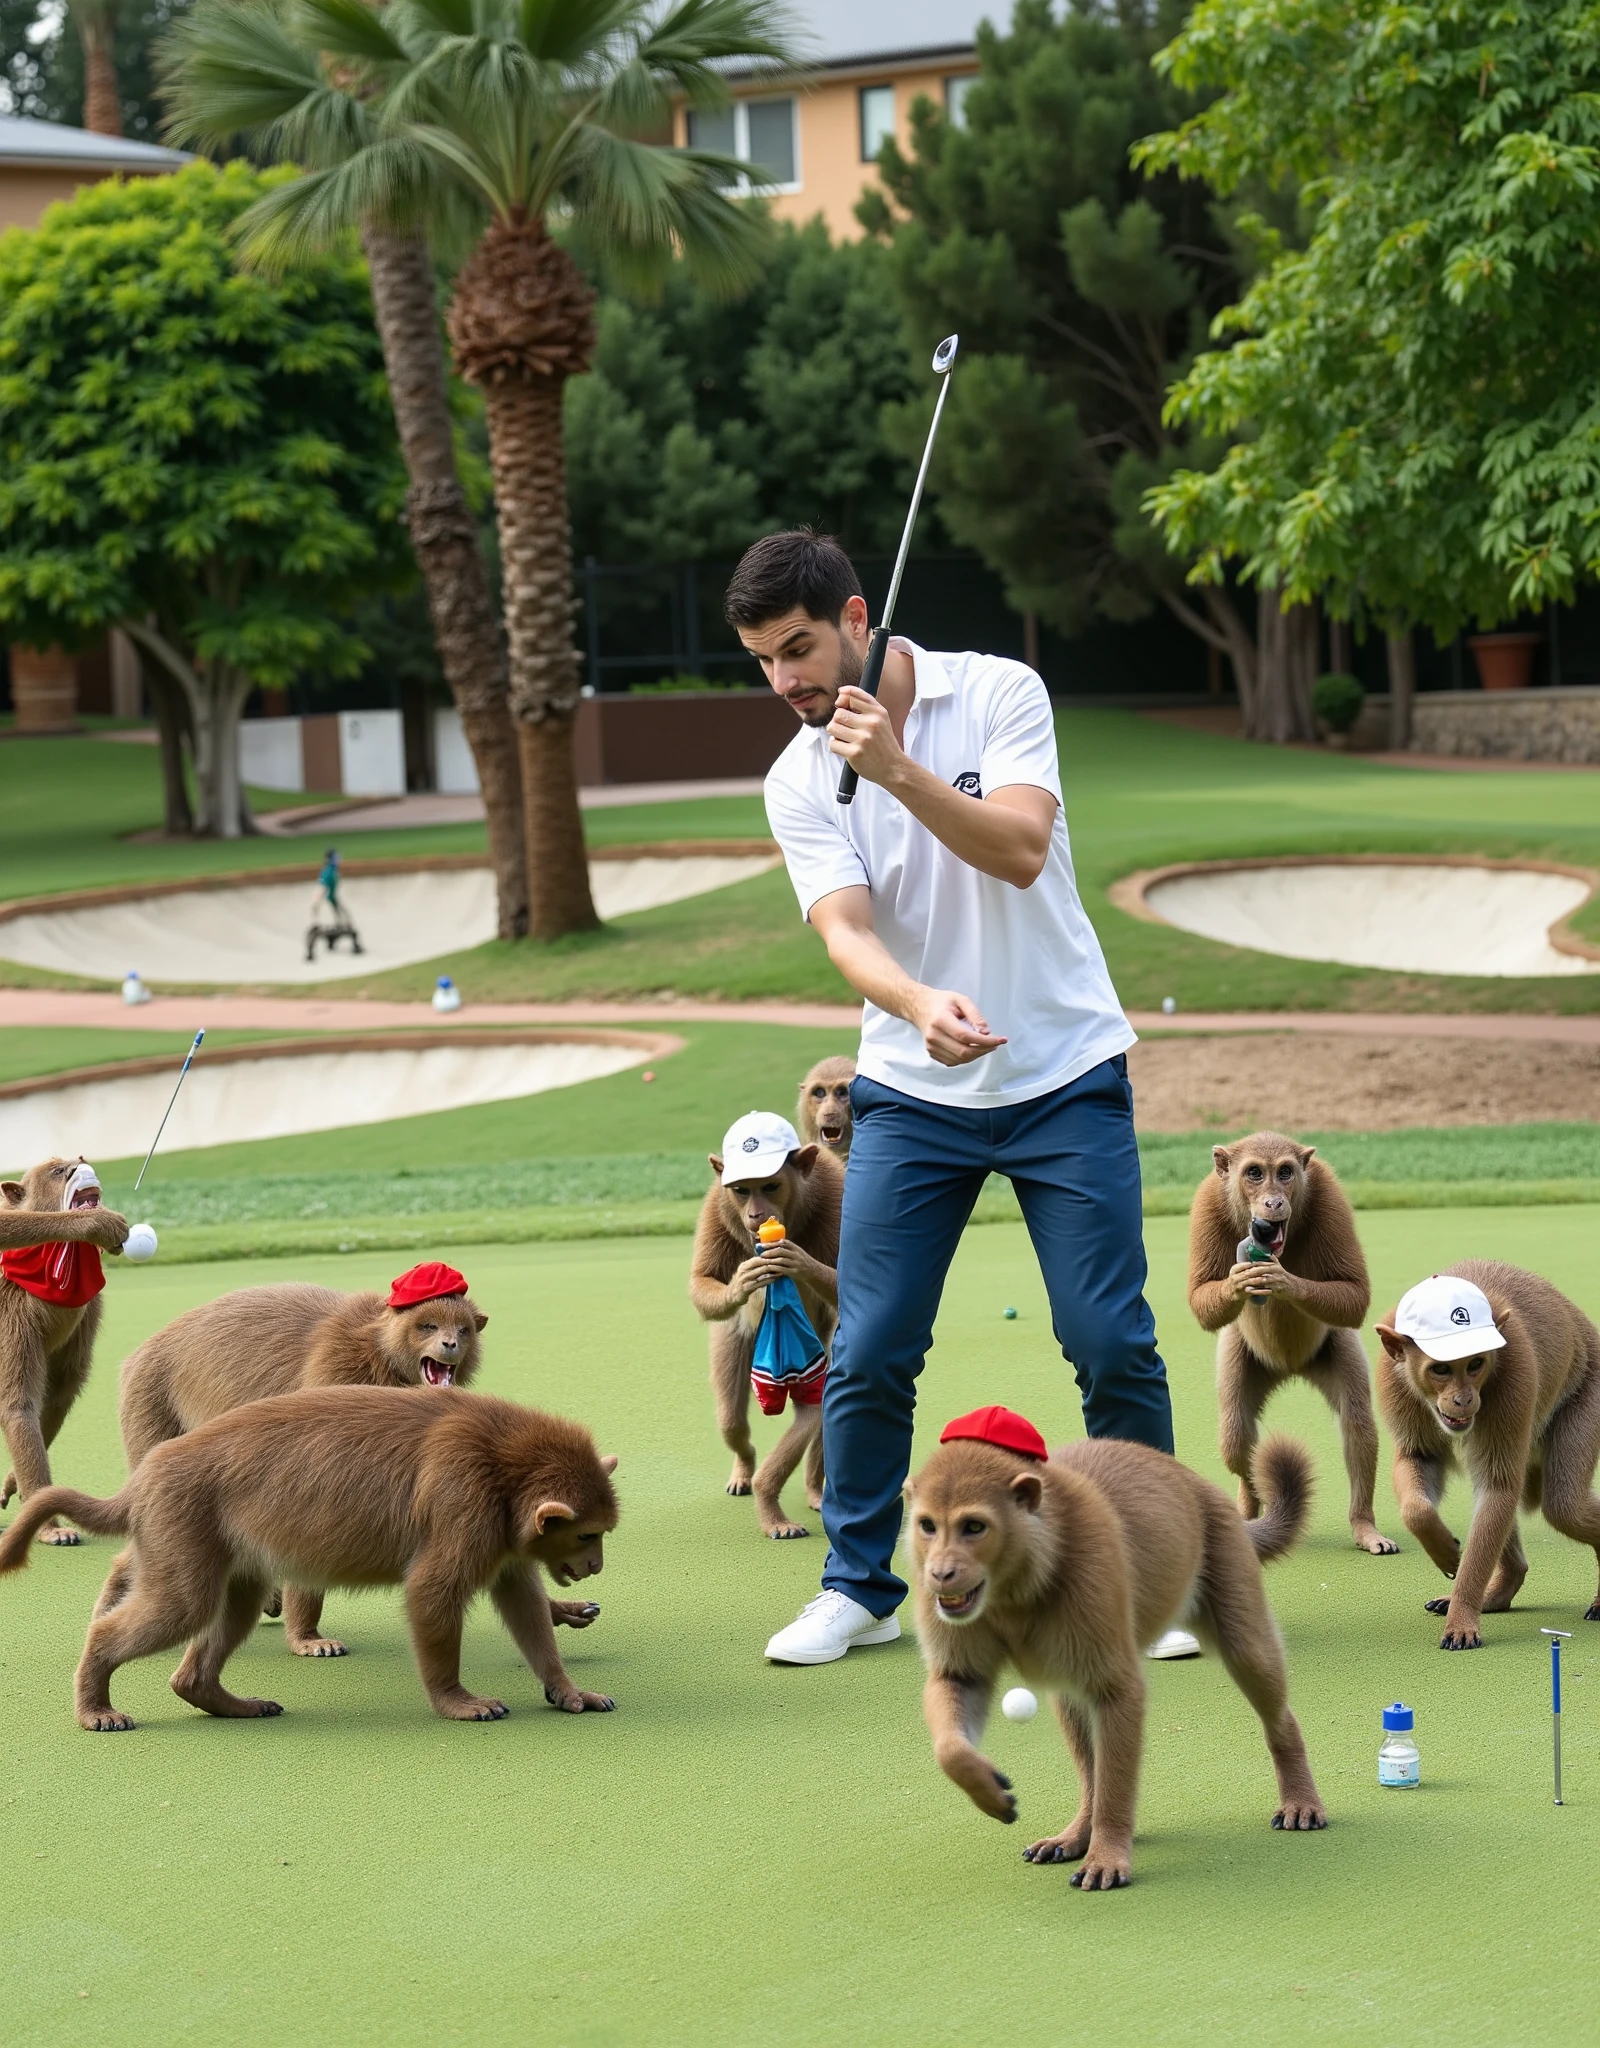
(1284, 1478)
(100, 1517)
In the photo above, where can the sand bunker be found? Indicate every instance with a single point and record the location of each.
(256, 932)
(1410, 918)
(228, 1099)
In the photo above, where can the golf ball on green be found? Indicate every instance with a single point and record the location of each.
(1011, 1315)
(1019, 1704)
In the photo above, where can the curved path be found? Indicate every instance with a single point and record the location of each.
(47, 1006)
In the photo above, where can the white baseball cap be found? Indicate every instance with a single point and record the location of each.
(1447, 1318)
(756, 1146)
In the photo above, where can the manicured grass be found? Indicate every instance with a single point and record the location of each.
(752, 1855)
(1139, 794)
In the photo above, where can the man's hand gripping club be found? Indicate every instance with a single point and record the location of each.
(952, 1026)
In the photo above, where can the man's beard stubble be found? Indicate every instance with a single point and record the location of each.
(848, 674)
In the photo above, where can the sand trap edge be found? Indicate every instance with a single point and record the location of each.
(1129, 892)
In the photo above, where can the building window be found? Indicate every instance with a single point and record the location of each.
(877, 120)
(955, 100)
(760, 133)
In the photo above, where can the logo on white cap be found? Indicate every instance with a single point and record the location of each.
(756, 1146)
(1448, 1318)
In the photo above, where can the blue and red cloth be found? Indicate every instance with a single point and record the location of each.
(790, 1361)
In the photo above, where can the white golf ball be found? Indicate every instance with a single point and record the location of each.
(1019, 1704)
(141, 1243)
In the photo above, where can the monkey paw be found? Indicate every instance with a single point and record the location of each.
(814, 1501)
(780, 1532)
(1461, 1638)
(104, 1720)
(1436, 1606)
(572, 1701)
(8, 1490)
(988, 1789)
(738, 1486)
(1067, 1847)
(1104, 1870)
(319, 1646)
(574, 1613)
(1592, 1613)
(62, 1538)
(272, 1606)
(1300, 1816)
(1374, 1544)
(467, 1706)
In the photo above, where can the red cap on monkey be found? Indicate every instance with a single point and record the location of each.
(1003, 1427)
(430, 1282)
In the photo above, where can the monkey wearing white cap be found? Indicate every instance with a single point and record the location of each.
(52, 1232)
(1500, 1363)
(768, 1176)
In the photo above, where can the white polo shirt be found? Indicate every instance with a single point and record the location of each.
(1028, 958)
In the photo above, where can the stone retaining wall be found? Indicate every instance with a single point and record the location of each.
(1515, 725)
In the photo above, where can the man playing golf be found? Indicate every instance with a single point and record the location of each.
(991, 1040)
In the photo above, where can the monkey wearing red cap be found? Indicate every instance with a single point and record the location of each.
(1062, 1565)
(273, 1340)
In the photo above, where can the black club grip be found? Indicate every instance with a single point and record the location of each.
(871, 677)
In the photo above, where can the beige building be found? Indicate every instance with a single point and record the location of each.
(811, 142)
(41, 163)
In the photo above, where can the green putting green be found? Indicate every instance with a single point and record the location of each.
(750, 1855)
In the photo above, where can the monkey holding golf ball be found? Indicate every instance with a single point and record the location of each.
(52, 1232)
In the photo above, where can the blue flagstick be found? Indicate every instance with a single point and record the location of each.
(156, 1140)
(1556, 1636)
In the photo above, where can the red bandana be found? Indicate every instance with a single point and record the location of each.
(67, 1275)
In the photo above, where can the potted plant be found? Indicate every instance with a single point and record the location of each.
(1337, 700)
(1505, 660)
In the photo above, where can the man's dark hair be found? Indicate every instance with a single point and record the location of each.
(800, 567)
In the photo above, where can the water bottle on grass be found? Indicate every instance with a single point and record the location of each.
(1399, 1762)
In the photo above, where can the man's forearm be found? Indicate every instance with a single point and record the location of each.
(872, 971)
(991, 837)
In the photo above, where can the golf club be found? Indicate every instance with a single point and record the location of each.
(872, 675)
(156, 1140)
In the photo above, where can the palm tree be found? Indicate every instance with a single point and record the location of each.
(231, 71)
(521, 115)
(96, 23)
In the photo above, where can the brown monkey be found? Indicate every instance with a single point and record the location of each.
(1295, 1314)
(447, 1493)
(823, 1116)
(1501, 1363)
(1065, 1568)
(270, 1340)
(802, 1187)
(52, 1232)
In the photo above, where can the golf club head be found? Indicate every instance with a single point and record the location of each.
(945, 354)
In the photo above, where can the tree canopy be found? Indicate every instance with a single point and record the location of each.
(183, 438)
(1079, 288)
(1416, 392)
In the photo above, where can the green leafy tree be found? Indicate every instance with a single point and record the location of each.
(187, 443)
(501, 118)
(1079, 288)
(1415, 392)
(704, 423)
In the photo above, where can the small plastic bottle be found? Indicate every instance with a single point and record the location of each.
(133, 988)
(446, 996)
(1398, 1760)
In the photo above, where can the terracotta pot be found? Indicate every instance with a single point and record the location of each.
(44, 689)
(1505, 660)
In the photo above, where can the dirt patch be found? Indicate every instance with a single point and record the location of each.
(1305, 1081)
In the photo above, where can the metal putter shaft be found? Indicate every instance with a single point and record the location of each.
(156, 1140)
(872, 674)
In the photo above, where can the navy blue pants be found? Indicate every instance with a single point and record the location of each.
(915, 1171)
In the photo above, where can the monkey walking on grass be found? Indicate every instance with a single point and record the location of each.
(1496, 1365)
(1292, 1314)
(767, 1174)
(52, 1232)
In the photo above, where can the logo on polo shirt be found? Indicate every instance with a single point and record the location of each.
(968, 783)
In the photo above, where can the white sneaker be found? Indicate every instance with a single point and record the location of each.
(1177, 1642)
(827, 1627)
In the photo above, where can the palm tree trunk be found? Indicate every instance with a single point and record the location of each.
(528, 456)
(445, 542)
(102, 101)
